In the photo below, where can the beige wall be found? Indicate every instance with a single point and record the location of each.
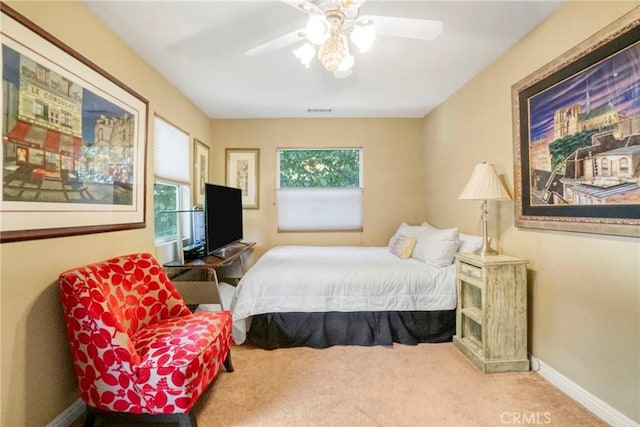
(584, 290)
(37, 379)
(392, 172)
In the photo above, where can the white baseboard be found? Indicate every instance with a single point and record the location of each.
(70, 415)
(601, 409)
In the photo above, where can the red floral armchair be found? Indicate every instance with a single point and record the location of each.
(135, 345)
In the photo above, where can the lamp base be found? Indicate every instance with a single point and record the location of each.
(486, 250)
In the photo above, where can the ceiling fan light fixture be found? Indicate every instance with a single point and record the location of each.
(305, 54)
(363, 34)
(347, 63)
(332, 52)
(333, 24)
(318, 29)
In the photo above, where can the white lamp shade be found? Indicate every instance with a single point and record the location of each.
(347, 63)
(305, 54)
(317, 29)
(363, 34)
(484, 184)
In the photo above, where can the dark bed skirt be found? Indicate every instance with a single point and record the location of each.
(321, 330)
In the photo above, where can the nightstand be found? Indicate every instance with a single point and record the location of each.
(491, 316)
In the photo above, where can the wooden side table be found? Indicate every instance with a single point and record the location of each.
(491, 315)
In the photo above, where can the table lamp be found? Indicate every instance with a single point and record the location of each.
(484, 185)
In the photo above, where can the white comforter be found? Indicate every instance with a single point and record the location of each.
(339, 278)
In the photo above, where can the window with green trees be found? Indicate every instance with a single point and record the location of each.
(165, 198)
(324, 168)
(320, 189)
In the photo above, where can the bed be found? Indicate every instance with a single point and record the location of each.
(319, 296)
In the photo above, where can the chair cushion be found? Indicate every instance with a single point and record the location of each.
(179, 358)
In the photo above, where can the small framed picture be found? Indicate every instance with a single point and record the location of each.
(243, 172)
(200, 171)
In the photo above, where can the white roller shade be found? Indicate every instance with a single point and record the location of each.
(319, 209)
(171, 152)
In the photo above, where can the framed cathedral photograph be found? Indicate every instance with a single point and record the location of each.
(242, 171)
(73, 140)
(576, 124)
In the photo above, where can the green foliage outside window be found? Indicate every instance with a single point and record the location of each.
(339, 168)
(165, 198)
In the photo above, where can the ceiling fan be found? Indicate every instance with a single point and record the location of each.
(330, 25)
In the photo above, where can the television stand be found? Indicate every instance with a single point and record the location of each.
(179, 272)
(220, 253)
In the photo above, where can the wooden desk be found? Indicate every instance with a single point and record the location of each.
(194, 278)
(227, 256)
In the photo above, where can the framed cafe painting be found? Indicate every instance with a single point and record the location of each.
(73, 140)
(576, 125)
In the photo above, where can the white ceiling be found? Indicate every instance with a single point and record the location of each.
(198, 46)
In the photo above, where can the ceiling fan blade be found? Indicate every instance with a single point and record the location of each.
(410, 28)
(277, 43)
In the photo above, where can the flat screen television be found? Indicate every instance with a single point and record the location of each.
(223, 217)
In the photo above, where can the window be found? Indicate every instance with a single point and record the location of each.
(41, 109)
(604, 164)
(171, 189)
(624, 165)
(66, 119)
(319, 189)
(169, 197)
(65, 86)
(42, 74)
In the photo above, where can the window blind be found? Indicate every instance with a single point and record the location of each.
(171, 152)
(319, 209)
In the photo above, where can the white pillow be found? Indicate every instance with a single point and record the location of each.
(429, 226)
(437, 247)
(469, 243)
(408, 230)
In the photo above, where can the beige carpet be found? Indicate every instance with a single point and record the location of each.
(424, 385)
